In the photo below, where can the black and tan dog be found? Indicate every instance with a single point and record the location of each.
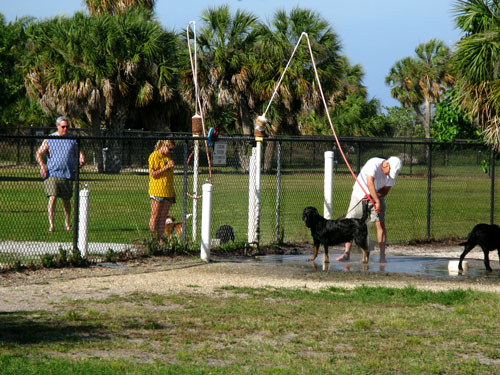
(487, 237)
(335, 232)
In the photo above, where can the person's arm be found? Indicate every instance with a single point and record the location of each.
(370, 182)
(39, 158)
(155, 173)
(384, 191)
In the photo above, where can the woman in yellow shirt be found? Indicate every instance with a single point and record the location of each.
(161, 186)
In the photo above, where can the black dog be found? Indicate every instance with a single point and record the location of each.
(336, 232)
(485, 235)
(225, 233)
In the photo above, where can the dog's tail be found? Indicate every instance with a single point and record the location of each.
(366, 211)
(471, 239)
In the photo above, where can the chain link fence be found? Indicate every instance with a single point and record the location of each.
(442, 191)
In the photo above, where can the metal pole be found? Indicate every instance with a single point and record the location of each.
(278, 195)
(358, 166)
(196, 161)
(184, 193)
(76, 194)
(492, 165)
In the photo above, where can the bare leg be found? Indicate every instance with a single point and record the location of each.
(51, 207)
(347, 253)
(155, 207)
(382, 239)
(162, 217)
(159, 213)
(67, 214)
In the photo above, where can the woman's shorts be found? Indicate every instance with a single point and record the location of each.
(58, 186)
(161, 199)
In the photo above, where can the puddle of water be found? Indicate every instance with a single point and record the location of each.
(432, 267)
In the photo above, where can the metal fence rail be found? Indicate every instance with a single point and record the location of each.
(441, 193)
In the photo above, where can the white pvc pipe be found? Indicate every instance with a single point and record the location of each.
(206, 222)
(83, 221)
(195, 187)
(328, 186)
(257, 188)
(252, 197)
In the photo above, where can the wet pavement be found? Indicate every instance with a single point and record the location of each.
(427, 267)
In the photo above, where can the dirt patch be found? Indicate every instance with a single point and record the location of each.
(43, 288)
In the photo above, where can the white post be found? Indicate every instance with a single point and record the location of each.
(195, 187)
(328, 186)
(83, 222)
(257, 188)
(206, 222)
(252, 198)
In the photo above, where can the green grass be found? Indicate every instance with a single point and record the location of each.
(119, 205)
(259, 331)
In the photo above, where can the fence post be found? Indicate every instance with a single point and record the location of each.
(492, 202)
(76, 203)
(411, 158)
(18, 160)
(206, 222)
(252, 198)
(358, 164)
(429, 179)
(184, 192)
(278, 195)
(83, 223)
(328, 186)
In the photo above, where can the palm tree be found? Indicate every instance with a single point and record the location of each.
(298, 92)
(100, 68)
(225, 44)
(476, 63)
(420, 82)
(115, 7)
(15, 108)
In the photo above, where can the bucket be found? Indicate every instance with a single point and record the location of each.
(196, 125)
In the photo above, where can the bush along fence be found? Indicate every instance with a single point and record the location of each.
(442, 191)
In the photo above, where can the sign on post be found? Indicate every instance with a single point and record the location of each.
(219, 154)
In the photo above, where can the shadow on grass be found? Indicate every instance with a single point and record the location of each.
(18, 328)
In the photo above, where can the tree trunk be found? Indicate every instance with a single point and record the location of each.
(245, 118)
(95, 130)
(113, 152)
(427, 120)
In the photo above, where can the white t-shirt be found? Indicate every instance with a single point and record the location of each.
(371, 168)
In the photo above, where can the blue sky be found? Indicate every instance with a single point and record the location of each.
(373, 33)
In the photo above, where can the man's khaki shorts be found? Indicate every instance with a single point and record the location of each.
(59, 187)
(355, 210)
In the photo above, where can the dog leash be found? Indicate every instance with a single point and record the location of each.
(343, 216)
(352, 209)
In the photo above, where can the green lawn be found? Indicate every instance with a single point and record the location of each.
(119, 205)
(259, 331)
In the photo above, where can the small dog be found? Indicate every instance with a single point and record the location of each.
(485, 235)
(171, 227)
(336, 232)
